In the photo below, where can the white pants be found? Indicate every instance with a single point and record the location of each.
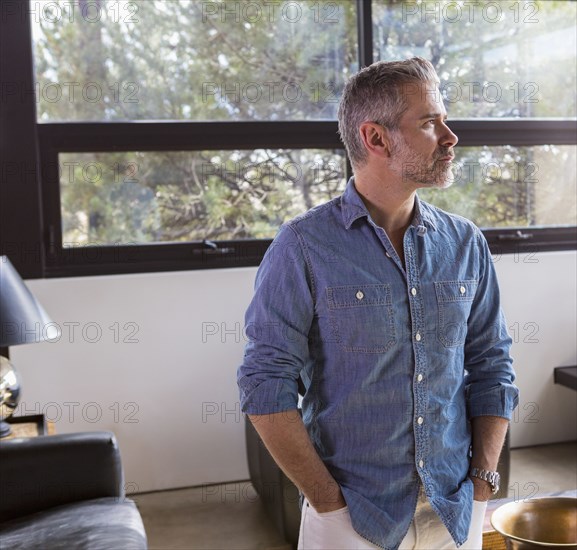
(334, 530)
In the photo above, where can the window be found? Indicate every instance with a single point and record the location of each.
(192, 60)
(507, 186)
(495, 59)
(177, 134)
(151, 197)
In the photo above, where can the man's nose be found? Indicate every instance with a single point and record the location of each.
(448, 139)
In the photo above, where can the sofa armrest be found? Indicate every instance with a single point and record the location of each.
(42, 472)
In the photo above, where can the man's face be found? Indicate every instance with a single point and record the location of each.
(422, 146)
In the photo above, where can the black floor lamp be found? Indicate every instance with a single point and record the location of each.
(22, 321)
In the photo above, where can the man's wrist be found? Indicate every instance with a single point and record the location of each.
(326, 497)
(330, 506)
(491, 477)
(482, 490)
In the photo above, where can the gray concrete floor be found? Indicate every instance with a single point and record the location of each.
(217, 517)
(230, 516)
(543, 469)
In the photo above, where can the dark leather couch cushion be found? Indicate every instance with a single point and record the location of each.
(98, 524)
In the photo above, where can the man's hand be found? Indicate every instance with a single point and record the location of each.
(287, 440)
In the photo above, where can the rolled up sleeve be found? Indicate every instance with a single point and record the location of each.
(488, 363)
(277, 325)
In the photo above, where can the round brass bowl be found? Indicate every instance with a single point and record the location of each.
(538, 523)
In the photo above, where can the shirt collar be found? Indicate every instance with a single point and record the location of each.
(353, 208)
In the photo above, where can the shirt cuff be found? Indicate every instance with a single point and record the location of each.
(500, 401)
(269, 396)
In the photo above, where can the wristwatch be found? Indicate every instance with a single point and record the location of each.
(492, 478)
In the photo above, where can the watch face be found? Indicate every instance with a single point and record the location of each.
(496, 483)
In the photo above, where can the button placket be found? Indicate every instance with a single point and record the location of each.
(417, 322)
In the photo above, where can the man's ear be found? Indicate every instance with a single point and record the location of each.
(376, 139)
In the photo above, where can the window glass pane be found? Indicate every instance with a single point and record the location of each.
(104, 60)
(512, 58)
(145, 197)
(505, 186)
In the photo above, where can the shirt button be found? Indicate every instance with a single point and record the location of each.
(360, 295)
(462, 290)
(387, 255)
(420, 420)
(421, 463)
(419, 378)
(418, 337)
(414, 291)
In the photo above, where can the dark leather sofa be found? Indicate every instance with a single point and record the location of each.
(66, 491)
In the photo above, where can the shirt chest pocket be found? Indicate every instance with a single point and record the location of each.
(454, 301)
(361, 317)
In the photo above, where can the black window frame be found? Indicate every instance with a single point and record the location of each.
(30, 215)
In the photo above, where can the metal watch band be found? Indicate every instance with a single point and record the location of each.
(493, 478)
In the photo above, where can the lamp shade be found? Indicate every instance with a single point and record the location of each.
(22, 319)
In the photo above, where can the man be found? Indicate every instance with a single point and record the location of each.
(388, 310)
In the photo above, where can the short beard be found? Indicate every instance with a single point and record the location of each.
(415, 168)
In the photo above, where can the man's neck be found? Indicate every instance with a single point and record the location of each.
(390, 203)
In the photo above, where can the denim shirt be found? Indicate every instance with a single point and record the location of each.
(395, 359)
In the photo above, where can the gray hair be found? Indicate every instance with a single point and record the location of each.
(378, 93)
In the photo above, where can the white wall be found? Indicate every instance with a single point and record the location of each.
(539, 298)
(178, 385)
(171, 375)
